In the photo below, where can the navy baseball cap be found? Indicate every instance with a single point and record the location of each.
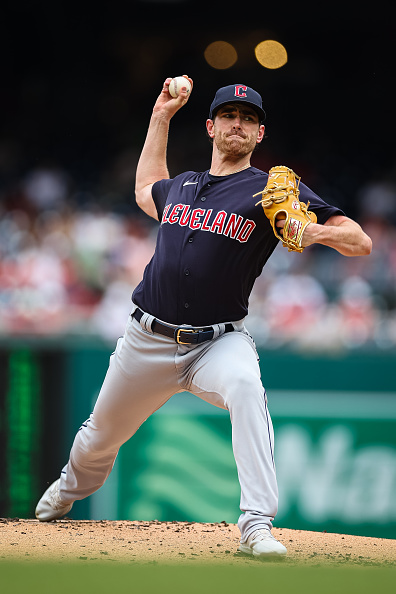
(238, 94)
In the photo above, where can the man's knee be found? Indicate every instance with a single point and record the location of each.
(245, 390)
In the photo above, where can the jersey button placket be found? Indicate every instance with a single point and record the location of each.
(186, 288)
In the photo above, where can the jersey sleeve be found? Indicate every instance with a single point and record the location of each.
(159, 192)
(322, 210)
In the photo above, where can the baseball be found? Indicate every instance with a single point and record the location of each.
(177, 83)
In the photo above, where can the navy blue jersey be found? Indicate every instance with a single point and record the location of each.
(212, 245)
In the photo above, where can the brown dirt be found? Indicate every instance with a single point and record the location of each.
(169, 542)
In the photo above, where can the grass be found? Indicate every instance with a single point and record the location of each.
(118, 578)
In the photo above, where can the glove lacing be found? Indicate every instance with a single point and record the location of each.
(267, 201)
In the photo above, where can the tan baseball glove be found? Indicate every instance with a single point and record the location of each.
(280, 200)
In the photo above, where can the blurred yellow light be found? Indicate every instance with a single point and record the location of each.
(271, 54)
(220, 55)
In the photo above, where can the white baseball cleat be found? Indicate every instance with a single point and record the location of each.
(50, 507)
(262, 544)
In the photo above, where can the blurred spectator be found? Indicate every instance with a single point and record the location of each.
(377, 199)
(291, 306)
(46, 187)
(357, 312)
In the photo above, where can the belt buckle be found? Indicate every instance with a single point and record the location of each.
(177, 334)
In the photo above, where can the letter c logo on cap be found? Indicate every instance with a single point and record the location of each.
(240, 91)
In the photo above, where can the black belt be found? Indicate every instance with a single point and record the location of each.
(181, 334)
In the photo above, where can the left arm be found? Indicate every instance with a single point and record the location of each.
(340, 233)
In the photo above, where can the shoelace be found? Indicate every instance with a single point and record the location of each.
(262, 535)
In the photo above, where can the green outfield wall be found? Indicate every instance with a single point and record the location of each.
(335, 441)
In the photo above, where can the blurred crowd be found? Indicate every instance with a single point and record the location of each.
(69, 263)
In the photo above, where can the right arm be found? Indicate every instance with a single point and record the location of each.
(152, 164)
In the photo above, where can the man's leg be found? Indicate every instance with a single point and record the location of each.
(139, 380)
(228, 375)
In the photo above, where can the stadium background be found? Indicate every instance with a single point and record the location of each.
(76, 95)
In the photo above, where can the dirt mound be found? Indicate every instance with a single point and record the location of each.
(169, 542)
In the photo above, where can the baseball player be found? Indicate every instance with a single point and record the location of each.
(186, 330)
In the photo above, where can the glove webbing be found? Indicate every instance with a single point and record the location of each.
(271, 200)
(278, 188)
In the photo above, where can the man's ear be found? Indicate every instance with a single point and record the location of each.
(210, 128)
(261, 133)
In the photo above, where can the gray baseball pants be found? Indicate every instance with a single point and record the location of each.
(145, 370)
